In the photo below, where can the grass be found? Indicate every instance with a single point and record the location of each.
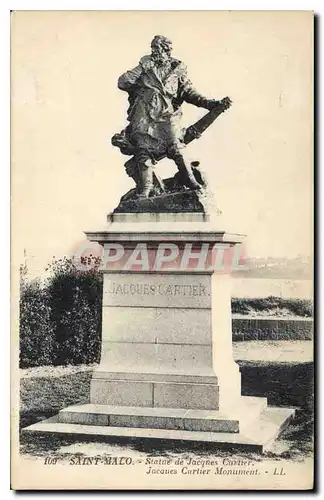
(43, 396)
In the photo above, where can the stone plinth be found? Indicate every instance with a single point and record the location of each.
(167, 369)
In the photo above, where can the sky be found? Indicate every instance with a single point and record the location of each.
(65, 106)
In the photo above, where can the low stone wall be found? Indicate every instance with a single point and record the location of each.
(262, 328)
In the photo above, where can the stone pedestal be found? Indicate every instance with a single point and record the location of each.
(167, 369)
(166, 334)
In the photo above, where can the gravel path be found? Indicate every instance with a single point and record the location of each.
(292, 351)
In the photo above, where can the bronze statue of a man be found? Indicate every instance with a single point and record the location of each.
(157, 87)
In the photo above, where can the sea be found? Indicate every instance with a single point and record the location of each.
(277, 287)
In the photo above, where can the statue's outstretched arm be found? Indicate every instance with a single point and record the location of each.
(190, 95)
(127, 80)
(193, 97)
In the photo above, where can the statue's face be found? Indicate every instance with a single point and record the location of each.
(160, 55)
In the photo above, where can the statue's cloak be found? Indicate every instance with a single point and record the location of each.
(155, 96)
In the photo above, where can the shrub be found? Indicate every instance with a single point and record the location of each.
(300, 307)
(36, 332)
(75, 297)
(297, 307)
(60, 321)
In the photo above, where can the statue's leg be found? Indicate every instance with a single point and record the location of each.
(185, 170)
(145, 171)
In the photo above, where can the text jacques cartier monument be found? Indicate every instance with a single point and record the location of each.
(167, 370)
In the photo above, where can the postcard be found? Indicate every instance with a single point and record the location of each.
(162, 250)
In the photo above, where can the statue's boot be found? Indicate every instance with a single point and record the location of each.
(186, 173)
(146, 182)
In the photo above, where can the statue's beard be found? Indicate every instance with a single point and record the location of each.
(161, 59)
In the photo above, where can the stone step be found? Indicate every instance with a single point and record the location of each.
(235, 419)
(256, 437)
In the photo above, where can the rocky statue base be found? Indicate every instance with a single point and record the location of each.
(167, 371)
(170, 196)
(185, 201)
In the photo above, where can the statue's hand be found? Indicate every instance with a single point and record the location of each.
(224, 103)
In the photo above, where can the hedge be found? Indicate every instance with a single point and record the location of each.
(60, 320)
